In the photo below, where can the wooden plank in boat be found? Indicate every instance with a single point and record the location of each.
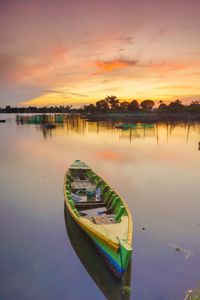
(78, 185)
(89, 205)
(102, 220)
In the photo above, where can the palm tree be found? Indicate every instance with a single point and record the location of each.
(113, 102)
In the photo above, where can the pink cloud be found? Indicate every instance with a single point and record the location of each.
(18, 69)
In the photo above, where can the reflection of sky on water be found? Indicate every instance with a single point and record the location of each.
(158, 175)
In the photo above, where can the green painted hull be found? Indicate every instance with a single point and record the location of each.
(117, 261)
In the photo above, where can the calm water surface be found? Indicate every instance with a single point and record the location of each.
(156, 169)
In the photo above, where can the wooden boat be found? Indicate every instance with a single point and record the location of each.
(101, 213)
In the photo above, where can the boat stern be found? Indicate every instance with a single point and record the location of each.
(125, 252)
(118, 261)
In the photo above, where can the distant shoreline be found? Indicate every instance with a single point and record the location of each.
(149, 117)
(110, 108)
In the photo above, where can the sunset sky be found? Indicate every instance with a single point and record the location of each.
(79, 51)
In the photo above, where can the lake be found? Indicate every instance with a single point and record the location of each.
(154, 167)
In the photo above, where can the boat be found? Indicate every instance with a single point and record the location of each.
(101, 213)
(96, 268)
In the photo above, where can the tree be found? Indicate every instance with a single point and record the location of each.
(68, 107)
(124, 106)
(113, 102)
(176, 106)
(147, 105)
(194, 106)
(133, 106)
(90, 108)
(102, 106)
(162, 107)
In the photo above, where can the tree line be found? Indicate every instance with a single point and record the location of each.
(111, 104)
(35, 109)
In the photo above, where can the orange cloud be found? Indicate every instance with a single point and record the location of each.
(114, 64)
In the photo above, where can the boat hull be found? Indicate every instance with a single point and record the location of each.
(111, 259)
(117, 261)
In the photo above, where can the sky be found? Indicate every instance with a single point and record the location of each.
(79, 51)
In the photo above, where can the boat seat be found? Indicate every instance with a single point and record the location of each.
(89, 205)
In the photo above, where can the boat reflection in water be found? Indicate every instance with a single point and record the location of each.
(111, 287)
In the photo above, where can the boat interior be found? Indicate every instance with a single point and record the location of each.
(90, 197)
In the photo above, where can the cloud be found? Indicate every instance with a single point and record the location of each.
(168, 66)
(110, 38)
(63, 93)
(126, 39)
(21, 68)
(157, 36)
(115, 64)
(9, 64)
(45, 49)
(58, 53)
(175, 87)
(54, 97)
